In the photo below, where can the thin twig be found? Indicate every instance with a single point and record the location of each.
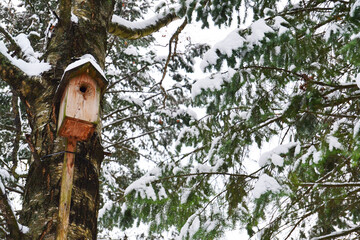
(173, 37)
(128, 107)
(331, 184)
(208, 173)
(213, 199)
(298, 222)
(126, 77)
(132, 138)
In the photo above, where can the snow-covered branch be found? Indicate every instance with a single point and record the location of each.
(135, 30)
(10, 73)
(338, 234)
(8, 37)
(22, 76)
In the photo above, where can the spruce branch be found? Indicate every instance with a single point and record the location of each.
(267, 122)
(305, 77)
(348, 86)
(274, 68)
(330, 114)
(341, 101)
(7, 127)
(302, 195)
(212, 200)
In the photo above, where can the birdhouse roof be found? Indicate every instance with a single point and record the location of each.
(85, 65)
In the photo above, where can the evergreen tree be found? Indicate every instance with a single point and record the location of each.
(292, 75)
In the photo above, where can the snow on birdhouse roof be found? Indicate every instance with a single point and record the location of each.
(86, 64)
(87, 58)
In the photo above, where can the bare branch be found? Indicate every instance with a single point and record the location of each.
(209, 173)
(9, 215)
(298, 222)
(129, 30)
(173, 38)
(128, 107)
(126, 77)
(19, 191)
(213, 199)
(132, 138)
(121, 120)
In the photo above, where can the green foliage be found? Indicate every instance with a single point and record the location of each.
(296, 83)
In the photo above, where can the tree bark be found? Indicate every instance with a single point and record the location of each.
(70, 41)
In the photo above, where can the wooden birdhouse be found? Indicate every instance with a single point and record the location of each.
(78, 97)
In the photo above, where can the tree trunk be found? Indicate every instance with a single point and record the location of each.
(70, 40)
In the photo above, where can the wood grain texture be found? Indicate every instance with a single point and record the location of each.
(79, 108)
(66, 189)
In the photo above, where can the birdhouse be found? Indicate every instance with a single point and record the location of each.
(79, 95)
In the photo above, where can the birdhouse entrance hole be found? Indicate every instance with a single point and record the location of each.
(83, 88)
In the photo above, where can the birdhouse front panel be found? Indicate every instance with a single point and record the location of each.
(79, 108)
